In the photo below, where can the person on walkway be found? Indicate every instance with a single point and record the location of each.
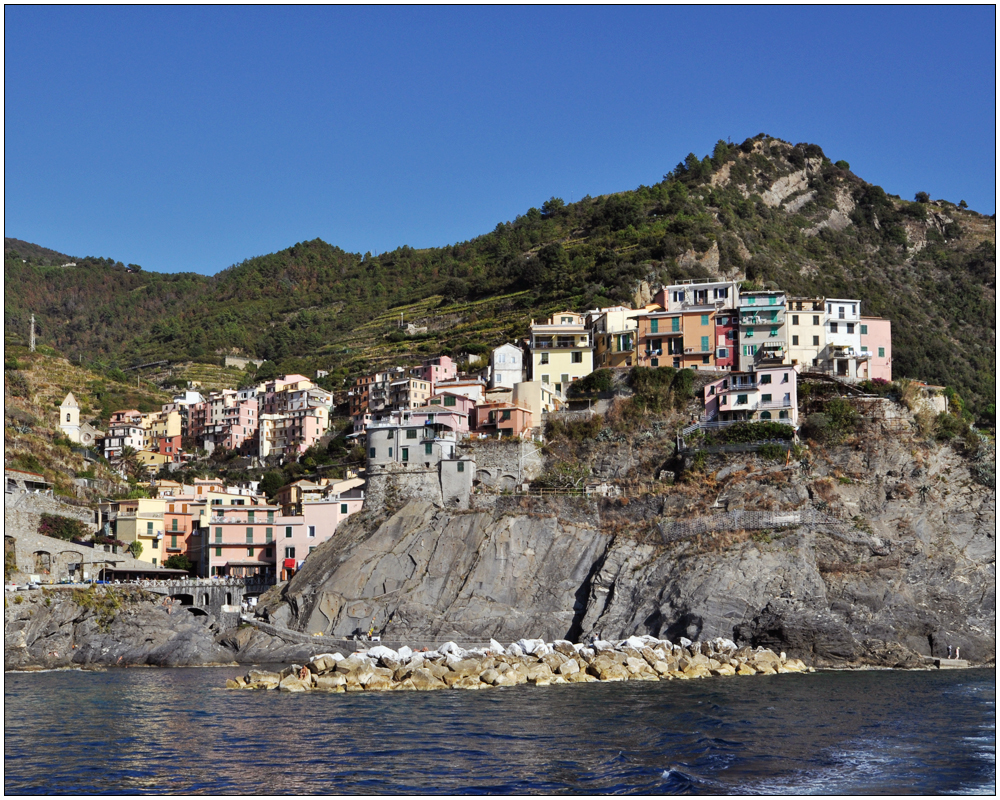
(949, 651)
(956, 651)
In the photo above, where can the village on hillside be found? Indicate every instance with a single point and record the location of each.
(755, 342)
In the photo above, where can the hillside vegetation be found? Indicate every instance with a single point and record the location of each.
(766, 210)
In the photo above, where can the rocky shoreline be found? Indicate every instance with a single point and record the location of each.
(534, 661)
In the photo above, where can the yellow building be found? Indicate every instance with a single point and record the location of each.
(562, 350)
(806, 331)
(615, 331)
(142, 520)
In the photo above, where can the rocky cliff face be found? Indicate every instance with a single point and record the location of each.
(61, 628)
(908, 568)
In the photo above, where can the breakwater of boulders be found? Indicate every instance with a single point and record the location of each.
(638, 658)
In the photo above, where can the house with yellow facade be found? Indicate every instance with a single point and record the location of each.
(562, 350)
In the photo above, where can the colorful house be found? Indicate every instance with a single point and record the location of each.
(876, 342)
(766, 394)
(562, 350)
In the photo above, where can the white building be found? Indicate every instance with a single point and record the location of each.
(506, 366)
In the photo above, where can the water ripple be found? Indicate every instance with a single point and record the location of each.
(174, 732)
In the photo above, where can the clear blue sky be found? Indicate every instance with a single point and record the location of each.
(190, 138)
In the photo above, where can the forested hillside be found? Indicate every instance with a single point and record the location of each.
(764, 209)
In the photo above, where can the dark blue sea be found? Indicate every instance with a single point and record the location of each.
(176, 731)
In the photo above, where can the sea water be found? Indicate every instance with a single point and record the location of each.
(177, 731)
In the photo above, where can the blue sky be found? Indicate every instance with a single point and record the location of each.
(190, 138)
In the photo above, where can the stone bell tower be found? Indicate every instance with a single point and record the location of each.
(69, 418)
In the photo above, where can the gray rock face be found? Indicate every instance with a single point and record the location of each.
(62, 633)
(813, 592)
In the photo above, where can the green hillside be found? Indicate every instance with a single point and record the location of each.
(764, 209)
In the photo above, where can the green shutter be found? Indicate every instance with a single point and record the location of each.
(704, 319)
(675, 324)
(654, 326)
(704, 343)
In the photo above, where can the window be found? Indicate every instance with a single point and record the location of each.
(268, 535)
(723, 352)
(544, 359)
(577, 357)
(772, 301)
(173, 542)
(815, 341)
(312, 531)
(390, 452)
(881, 352)
(741, 399)
(677, 363)
(371, 452)
(765, 378)
(270, 516)
(795, 319)
(704, 319)
(249, 551)
(774, 331)
(654, 326)
(765, 398)
(765, 415)
(675, 324)
(156, 544)
(753, 301)
(249, 535)
(461, 466)
(782, 414)
(154, 562)
(411, 434)
(723, 401)
(343, 508)
(149, 528)
(864, 348)
(850, 327)
(864, 330)
(545, 379)
(288, 532)
(505, 415)
(218, 551)
(795, 341)
(450, 400)
(289, 552)
(749, 333)
(406, 452)
(428, 448)
(833, 327)
(218, 535)
(815, 320)
(173, 524)
(388, 434)
(250, 516)
(704, 360)
(654, 362)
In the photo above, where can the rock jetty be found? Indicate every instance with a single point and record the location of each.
(534, 661)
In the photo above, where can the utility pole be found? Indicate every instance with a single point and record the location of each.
(31, 341)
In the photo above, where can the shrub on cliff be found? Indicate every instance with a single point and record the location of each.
(60, 527)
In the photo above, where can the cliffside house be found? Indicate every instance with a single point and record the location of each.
(562, 350)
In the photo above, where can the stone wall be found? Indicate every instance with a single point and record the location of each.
(503, 463)
(38, 504)
(35, 553)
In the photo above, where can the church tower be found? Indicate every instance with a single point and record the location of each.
(69, 418)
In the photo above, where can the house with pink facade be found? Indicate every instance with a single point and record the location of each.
(320, 518)
(876, 340)
(505, 420)
(433, 370)
(767, 394)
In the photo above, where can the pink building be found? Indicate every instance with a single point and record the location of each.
(459, 404)
(766, 394)
(320, 518)
(437, 369)
(876, 339)
(241, 538)
(503, 419)
(239, 425)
